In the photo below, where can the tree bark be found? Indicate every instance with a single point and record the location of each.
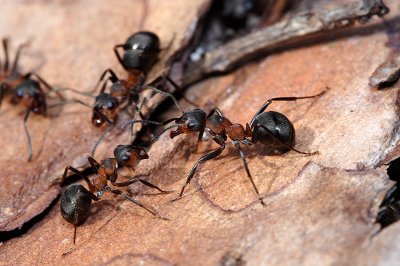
(320, 209)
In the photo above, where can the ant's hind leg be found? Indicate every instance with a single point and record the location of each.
(28, 135)
(243, 157)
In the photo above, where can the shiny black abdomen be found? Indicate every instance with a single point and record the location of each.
(141, 51)
(279, 125)
(75, 204)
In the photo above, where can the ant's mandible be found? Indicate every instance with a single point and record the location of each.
(269, 128)
(76, 199)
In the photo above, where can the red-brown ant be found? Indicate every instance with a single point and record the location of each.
(26, 89)
(269, 128)
(76, 199)
(141, 52)
(30, 93)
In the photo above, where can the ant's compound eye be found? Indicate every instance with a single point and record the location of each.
(142, 153)
(191, 125)
(111, 105)
(19, 93)
(125, 158)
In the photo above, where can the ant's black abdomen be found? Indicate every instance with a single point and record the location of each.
(280, 127)
(145, 41)
(141, 51)
(75, 204)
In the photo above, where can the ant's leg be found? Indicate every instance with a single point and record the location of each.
(28, 135)
(105, 133)
(119, 192)
(6, 55)
(74, 235)
(169, 44)
(282, 143)
(113, 78)
(243, 157)
(47, 85)
(206, 157)
(144, 182)
(179, 90)
(16, 59)
(93, 197)
(84, 104)
(215, 110)
(199, 142)
(4, 87)
(93, 163)
(162, 132)
(268, 102)
(79, 173)
(151, 87)
(166, 94)
(90, 194)
(138, 113)
(73, 90)
(200, 137)
(118, 55)
(150, 122)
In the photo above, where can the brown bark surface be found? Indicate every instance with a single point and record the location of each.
(320, 210)
(75, 41)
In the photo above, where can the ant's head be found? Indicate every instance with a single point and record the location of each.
(105, 107)
(129, 155)
(30, 94)
(141, 51)
(192, 121)
(28, 88)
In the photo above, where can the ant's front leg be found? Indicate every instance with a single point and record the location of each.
(138, 203)
(208, 156)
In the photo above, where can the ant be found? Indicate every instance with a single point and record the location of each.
(140, 54)
(30, 93)
(270, 128)
(28, 90)
(76, 199)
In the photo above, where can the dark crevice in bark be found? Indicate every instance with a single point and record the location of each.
(4, 236)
